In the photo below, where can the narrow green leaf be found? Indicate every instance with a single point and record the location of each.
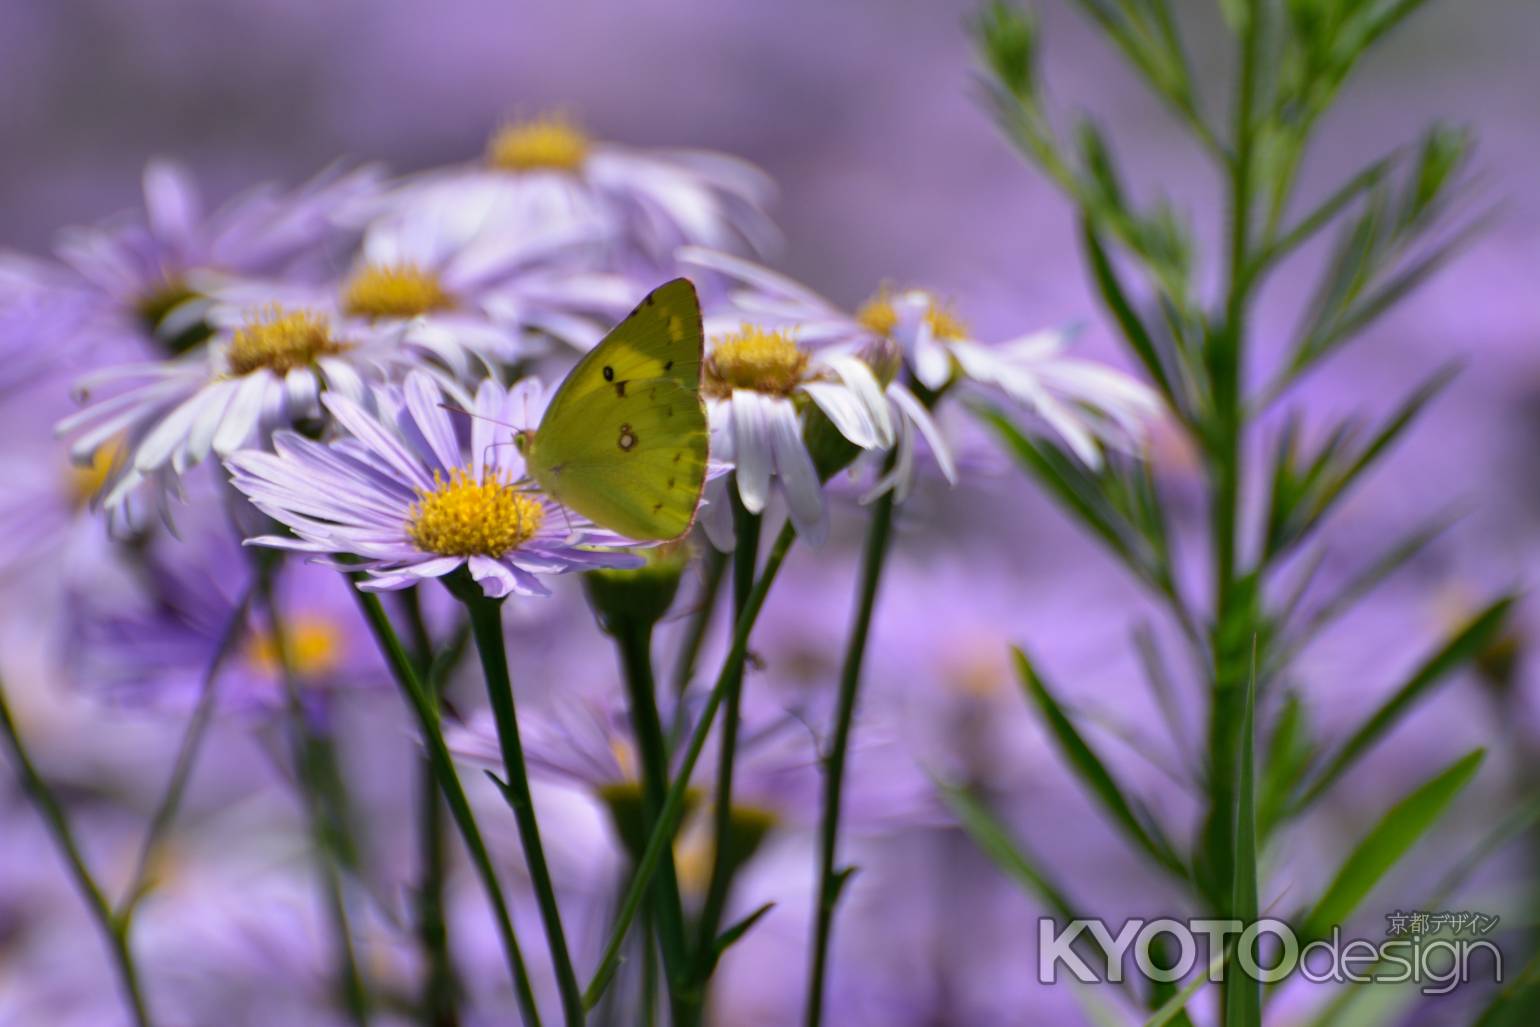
(1175, 1007)
(1518, 1003)
(733, 934)
(1243, 996)
(1093, 772)
(1458, 650)
(1387, 842)
(1112, 293)
(1008, 854)
(1365, 581)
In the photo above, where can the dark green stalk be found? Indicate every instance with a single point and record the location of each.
(1233, 628)
(487, 628)
(713, 574)
(695, 634)
(830, 880)
(316, 770)
(440, 987)
(745, 556)
(634, 641)
(454, 793)
(673, 806)
(114, 931)
(186, 755)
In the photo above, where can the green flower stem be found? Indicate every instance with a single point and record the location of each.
(114, 931)
(454, 793)
(319, 787)
(186, 756)
(1234, 627)
(830, 880)
(747, 528)
(695, 632)
(673, 807)
(440, 987)
(634, 641)
(487, 628)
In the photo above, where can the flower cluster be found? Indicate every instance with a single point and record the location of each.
(276, 421)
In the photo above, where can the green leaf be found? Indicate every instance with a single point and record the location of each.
(1243, 996)
(1094, 774)
(1518, 1004)
(1457, 651)
(1112, 293)
(1387, 842)
(1288, 756)
(1363, 582)
(1009, 855)
(733, 934)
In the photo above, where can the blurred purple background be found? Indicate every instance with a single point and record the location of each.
(865, 114)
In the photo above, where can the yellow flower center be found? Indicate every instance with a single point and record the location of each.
(879, 314)
(312, 644)
(752, 358)
(281, 340)
(86, 482)
(550, 143)
(394, 290)
(466, 517)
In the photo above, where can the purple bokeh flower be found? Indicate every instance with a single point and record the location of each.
(414, 497)
(644, 204)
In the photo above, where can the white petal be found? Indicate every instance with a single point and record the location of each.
(799, 479)
(752, 449)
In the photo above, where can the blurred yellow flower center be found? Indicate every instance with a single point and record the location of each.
(313, 646)
(466, 517)
(753, 358)
(281, 340)
(550, 143)
(395, 290)
(86, 481)
(879, 314)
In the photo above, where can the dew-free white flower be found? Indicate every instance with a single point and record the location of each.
(644, 203)
(1087, 404)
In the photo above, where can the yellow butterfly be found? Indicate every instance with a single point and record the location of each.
(624, 440)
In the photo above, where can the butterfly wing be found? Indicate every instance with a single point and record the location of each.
(624, 440)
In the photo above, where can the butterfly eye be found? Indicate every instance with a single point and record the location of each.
(609, 373)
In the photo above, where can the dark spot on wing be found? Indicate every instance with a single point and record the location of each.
(671, 483)
(620, 389)
(649, 301)
(677, 456)
(668, 366)
(609, 373)
(656, 507)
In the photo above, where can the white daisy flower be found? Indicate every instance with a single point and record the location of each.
(644, 203)
(758, 385)
(255, 376)
(1087, 404)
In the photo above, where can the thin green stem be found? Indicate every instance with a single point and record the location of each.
(745, 558)
(454, 793)
(487, 628)
(673, 807)
(695, 634)
(316, 769)
(634, 641)
(440, 987)
(114, 931)
(830, 880)
(1233, 629)
(186, 756)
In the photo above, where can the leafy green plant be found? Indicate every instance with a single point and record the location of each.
(1396, 222)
